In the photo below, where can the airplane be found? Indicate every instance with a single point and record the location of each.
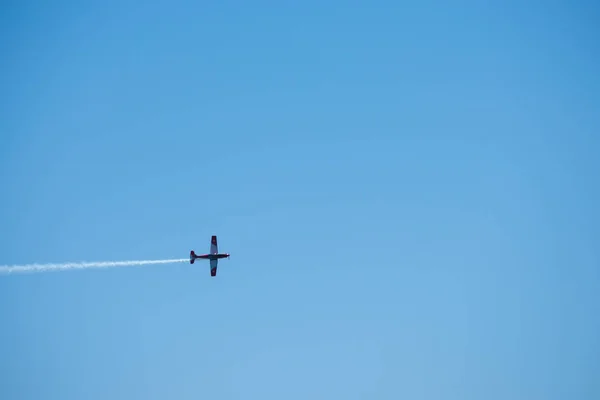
(213, 256)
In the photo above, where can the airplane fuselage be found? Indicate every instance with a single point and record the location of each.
(215, 256)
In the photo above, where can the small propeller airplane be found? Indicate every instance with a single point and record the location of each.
(213, 256)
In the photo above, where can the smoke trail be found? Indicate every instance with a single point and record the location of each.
(9, 269)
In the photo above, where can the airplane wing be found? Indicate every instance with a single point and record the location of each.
(214, 249)
(213, 267)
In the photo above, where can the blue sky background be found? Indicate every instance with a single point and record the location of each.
(409, 191)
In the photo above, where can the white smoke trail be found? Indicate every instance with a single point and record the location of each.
(10, 269)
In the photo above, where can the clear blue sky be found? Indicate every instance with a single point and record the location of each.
(409, 192)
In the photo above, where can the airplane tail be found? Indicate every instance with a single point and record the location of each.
(192, 257)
